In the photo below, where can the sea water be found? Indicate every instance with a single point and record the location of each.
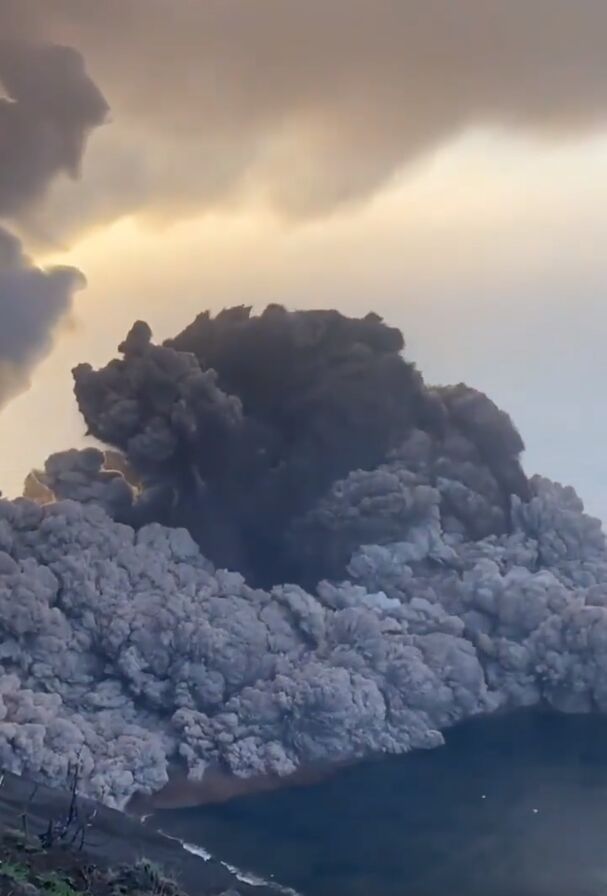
(514, 805)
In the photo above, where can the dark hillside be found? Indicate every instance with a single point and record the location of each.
(48, 846)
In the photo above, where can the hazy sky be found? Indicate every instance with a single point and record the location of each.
(442, 163)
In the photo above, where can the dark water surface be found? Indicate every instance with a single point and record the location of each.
(511, 806)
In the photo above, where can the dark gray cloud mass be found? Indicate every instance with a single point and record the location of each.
(49, 108)
(240, 424)
(313, 104)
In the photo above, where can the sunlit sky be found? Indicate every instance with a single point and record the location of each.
(486, 246)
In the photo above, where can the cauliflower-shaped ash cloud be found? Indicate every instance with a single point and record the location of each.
(129, 650)
(85, 476)
(242, 423)
(432, 580)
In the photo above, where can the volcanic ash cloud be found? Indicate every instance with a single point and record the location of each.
(241, 425)
(430, 581)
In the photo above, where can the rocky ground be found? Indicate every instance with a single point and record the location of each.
(54, 843)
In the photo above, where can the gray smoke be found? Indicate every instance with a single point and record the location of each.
(465, 588)
(88, 476)
(32, 304)
(130, 651)
(50, 107)
(315, 104)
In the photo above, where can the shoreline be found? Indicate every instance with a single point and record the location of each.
(217, 786)
(116, 837)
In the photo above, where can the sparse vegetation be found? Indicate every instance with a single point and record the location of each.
(54, 861)
(28, 868)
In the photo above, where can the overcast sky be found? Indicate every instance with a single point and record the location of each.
(444, 164)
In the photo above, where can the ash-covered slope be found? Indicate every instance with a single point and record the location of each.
(455, 586)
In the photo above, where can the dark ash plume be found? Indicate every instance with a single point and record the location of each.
(240, 425)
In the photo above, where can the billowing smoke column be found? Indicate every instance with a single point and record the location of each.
(50, 108)
(239, 425)
(465, 587)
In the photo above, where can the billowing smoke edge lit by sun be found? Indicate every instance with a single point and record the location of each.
(50, 107)
(393, 570)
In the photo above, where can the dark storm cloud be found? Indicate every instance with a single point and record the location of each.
(48, 108)
(315, 103)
